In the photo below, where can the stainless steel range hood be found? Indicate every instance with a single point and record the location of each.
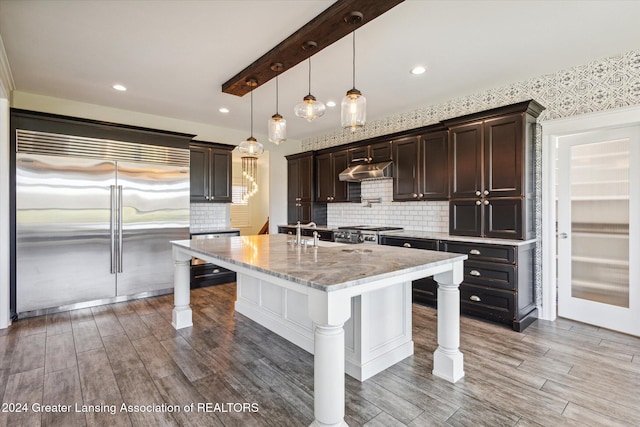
(367, 171)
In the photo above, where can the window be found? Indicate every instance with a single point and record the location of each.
(239, 209)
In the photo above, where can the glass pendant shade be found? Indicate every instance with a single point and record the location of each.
(250, 147)
(309, 108)
(353, 110)
(277, 126)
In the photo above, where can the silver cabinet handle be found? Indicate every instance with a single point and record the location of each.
(475, 298)
(369, 159)
(475, 273)
(414, 195)
(485, 192)
(562, 235)
(406, 245)
(486, 202)
(212, 197)
(478, 193)
(474, 252)
(478, 202)
(216, 270)
(420, 195)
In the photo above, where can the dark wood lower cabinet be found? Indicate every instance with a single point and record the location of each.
(498, 279)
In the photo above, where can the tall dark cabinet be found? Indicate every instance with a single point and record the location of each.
(300, 191)
(328, 187)
(210, 172)
(491, 166)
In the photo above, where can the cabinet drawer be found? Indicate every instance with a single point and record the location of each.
(492, 275)
(410, 243)
(488, 303)
(210, 274)
(425, 291)
(326, 235)
(481, 252)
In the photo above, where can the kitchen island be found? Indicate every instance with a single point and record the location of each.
(323, 282)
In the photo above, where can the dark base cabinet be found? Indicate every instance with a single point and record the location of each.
(206, 274)
(497, 284)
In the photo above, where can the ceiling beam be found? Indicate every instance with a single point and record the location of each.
(325, 29)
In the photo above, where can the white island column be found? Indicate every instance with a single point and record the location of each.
(328, 311)
(447, 359)
(181, 316)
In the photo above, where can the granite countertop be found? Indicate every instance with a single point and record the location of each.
(330, 267)
(319, 227)
(446, 236)
(214, 230)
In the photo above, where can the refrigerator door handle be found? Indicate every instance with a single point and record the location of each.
(120, 228)
(112, 227)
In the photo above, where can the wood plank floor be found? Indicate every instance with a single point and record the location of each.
(555, 373)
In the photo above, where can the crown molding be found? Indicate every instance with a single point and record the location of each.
(6, 78)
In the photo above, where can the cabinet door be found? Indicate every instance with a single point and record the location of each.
(305, 213)
(340, 188)
(465, 217)
(465, 160)
(199, 173)
(324, 178)
(503, 218)
(293, 181)
(503, 151)
(358, 155)
(380, 152)
(434, 179)
(405, 180)
(220, 188)
(305, 174)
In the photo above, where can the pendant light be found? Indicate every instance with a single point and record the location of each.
(250, 149)
(354, 104)
(309, 108)
(277, 124)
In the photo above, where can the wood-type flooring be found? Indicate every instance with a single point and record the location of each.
(552, 374)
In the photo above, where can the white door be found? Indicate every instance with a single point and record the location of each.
(598, 228)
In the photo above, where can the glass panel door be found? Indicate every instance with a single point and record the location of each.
(597, 224)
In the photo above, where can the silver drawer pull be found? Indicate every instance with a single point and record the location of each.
(216, 271)
(474, 252)
(406, 245)
(475, 298)
(475, 273)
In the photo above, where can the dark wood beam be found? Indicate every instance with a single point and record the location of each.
(325, 29)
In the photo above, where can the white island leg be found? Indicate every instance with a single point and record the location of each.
(447, 359)
(328, 311)
(181, 317)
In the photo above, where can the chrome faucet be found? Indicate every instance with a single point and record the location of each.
(299, 226)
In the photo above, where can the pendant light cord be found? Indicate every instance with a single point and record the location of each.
(354, 59)
(309, 75)
(252, 112)
(277, 93)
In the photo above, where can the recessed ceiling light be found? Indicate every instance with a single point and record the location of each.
(119, 87)
(419, 69)
(331, 104)
(223, 110)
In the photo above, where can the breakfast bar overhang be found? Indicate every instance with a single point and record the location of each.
(329, 278)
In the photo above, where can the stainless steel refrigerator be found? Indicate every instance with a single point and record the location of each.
(94, 219)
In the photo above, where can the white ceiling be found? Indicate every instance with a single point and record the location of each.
(173, 56)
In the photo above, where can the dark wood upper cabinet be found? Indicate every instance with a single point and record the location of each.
(491, 172)
(373, 153)
(405, 173)
(210, 172)
(420, 163)
(329, 188)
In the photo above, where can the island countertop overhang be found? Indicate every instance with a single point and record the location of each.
(326, 268)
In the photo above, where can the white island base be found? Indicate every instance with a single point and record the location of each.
(377, 335)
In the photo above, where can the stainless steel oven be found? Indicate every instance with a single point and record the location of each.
(361, 234)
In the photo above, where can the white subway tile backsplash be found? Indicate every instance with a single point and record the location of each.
(429, 216)
(209, 216)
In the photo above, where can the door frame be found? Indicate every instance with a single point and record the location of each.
(552, 130)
